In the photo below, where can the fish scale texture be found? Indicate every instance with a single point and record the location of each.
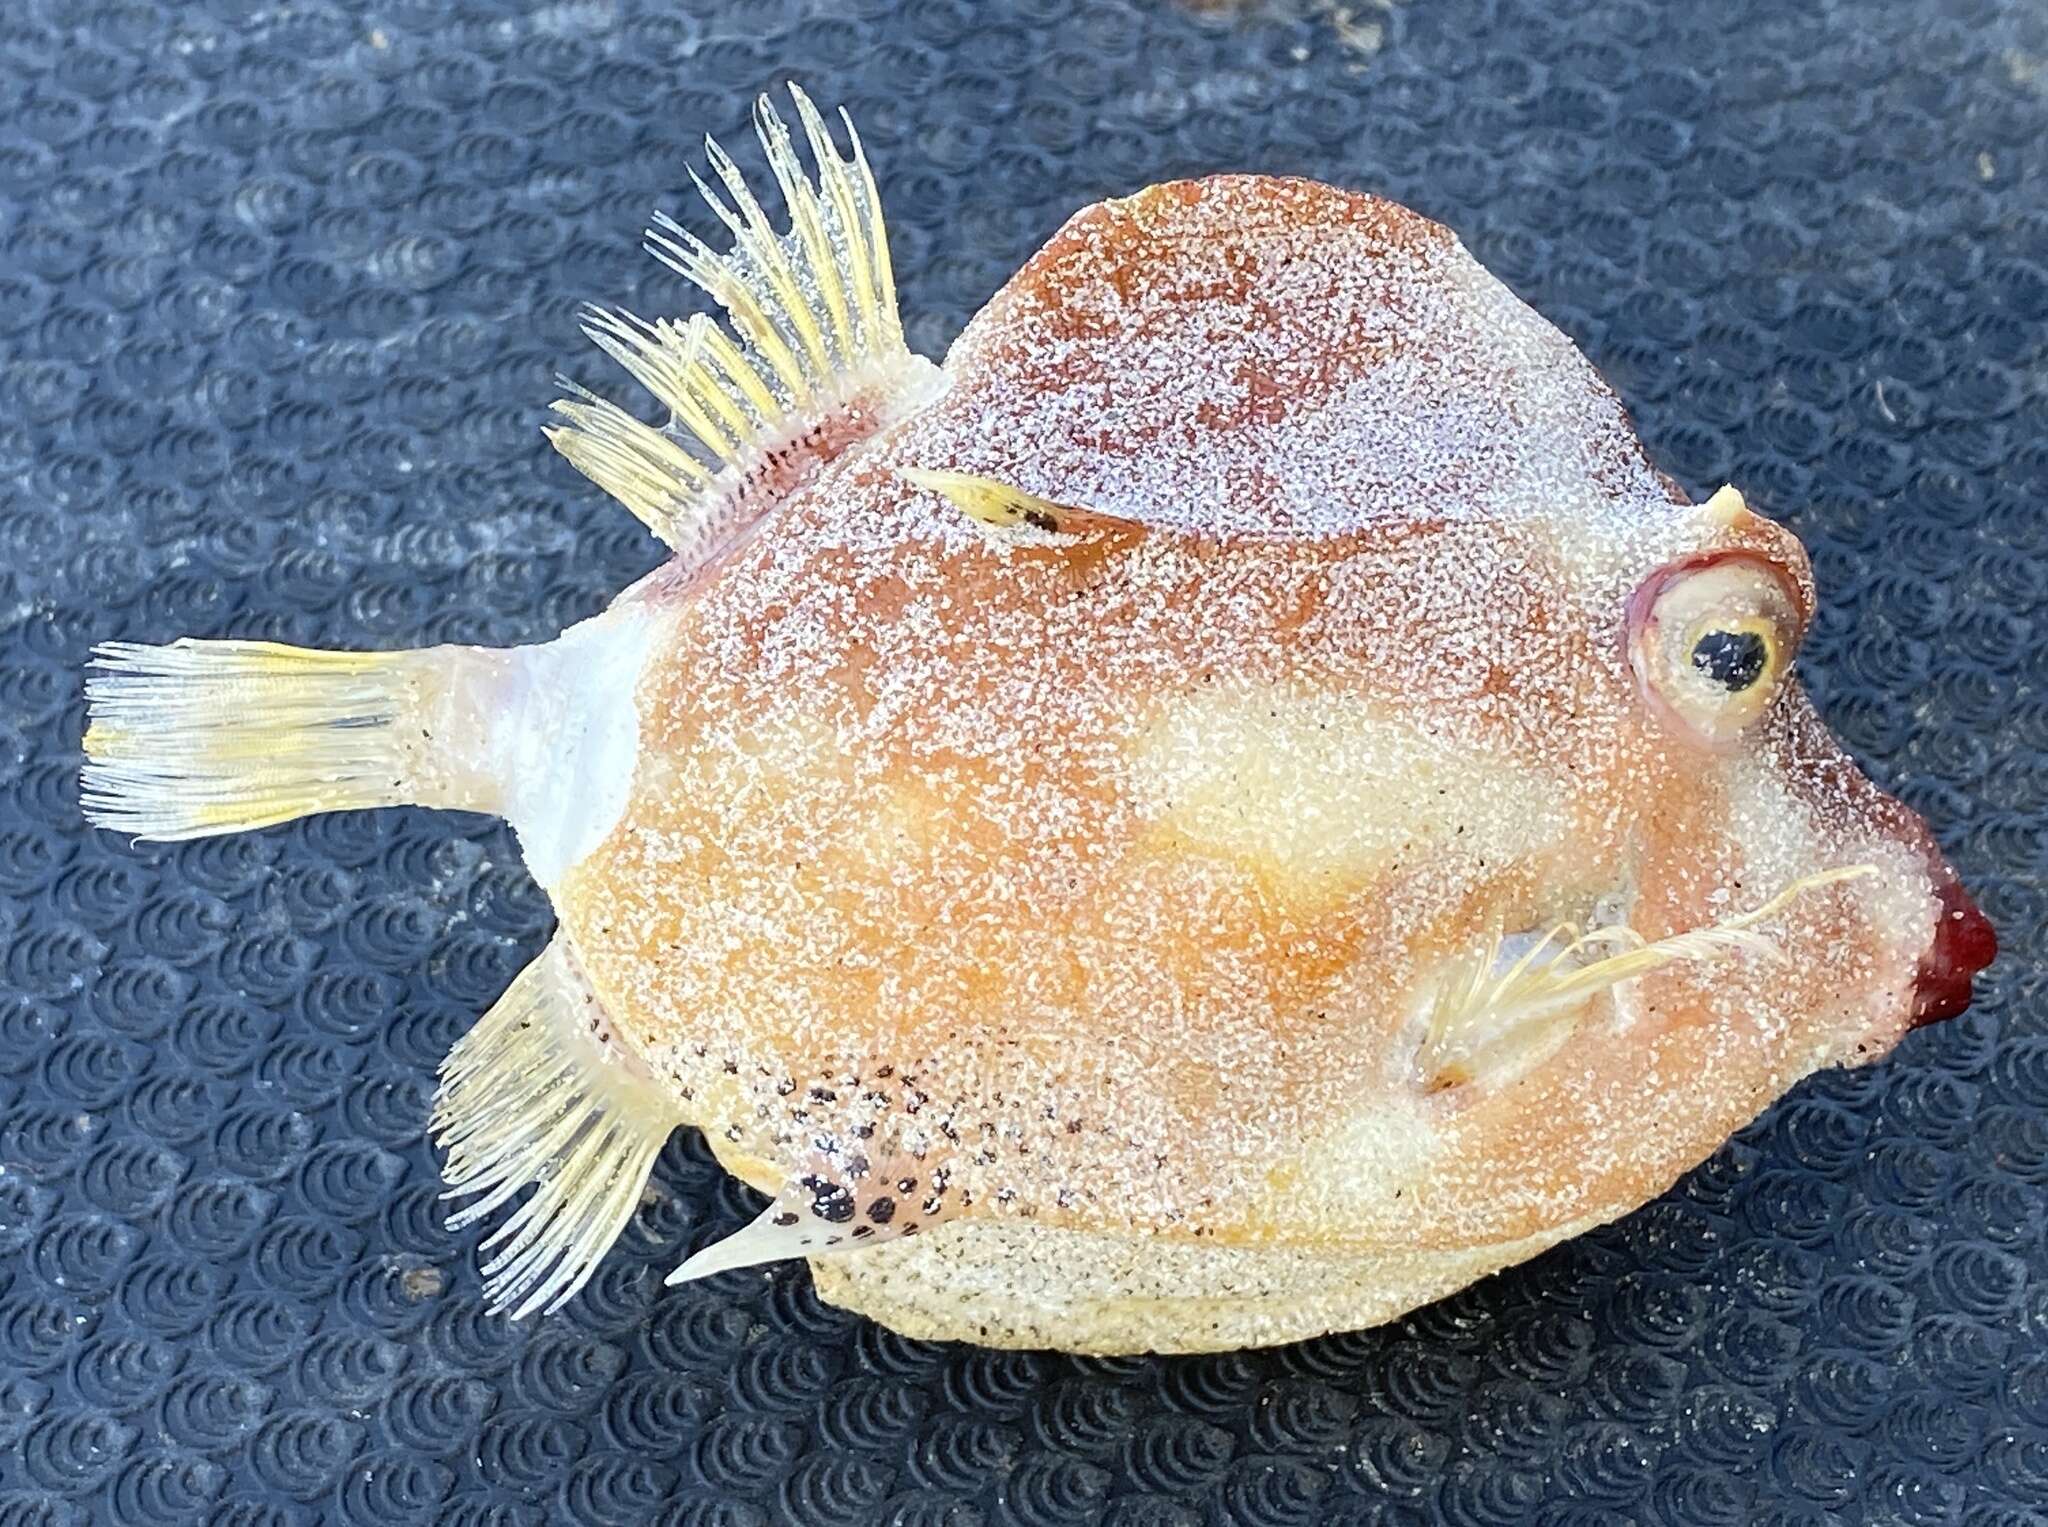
(282, 289)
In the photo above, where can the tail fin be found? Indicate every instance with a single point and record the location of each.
(202, 737)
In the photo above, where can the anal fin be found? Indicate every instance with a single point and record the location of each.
(541, 1093)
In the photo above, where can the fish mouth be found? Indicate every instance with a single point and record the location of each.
(1964, 943)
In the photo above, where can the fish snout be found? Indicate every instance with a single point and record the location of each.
(1848, 808)
(1964, 943)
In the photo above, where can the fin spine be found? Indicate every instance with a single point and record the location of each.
(1002, 507)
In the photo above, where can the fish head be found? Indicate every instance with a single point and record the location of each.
(1518, 711)
(1708, 643)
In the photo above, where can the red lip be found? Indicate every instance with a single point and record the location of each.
(1964, 943)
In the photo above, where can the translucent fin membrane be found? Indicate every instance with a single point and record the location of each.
(539, 1093)
(814, 310)
(1498, 1016)
(199, 737)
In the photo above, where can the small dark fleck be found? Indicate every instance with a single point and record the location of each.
(861, 1230)
(906, 1185)
(785, 1219)
(882, 1210)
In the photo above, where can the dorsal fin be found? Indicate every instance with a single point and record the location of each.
(816, 354)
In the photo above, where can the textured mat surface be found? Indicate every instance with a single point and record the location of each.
(281, 291)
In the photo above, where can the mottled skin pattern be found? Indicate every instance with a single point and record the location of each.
(1101, 875)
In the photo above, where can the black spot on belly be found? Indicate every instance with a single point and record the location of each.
(882, 1210)
(829, 1201)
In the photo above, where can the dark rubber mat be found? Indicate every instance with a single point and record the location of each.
(282, 287)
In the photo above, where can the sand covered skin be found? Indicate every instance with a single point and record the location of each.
(1127, 926)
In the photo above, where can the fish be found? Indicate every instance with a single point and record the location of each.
(1236, 805)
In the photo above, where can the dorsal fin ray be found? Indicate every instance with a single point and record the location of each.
(815, 338)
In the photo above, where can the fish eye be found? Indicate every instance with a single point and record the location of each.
(1710, 641)
(1735, 657)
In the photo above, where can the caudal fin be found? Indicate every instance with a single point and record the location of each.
(205, 737)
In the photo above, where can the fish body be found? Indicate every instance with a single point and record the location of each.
(1236, 805)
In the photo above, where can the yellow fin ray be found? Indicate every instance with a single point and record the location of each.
(197, 738)
(814, 330)
(540, 1093)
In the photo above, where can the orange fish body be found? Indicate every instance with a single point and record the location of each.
(1237, 805)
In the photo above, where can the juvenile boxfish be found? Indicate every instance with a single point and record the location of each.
(1232, 807)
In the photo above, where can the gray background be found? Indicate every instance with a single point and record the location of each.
(282, 288)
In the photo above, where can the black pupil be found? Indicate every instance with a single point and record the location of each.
(1733, 659)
